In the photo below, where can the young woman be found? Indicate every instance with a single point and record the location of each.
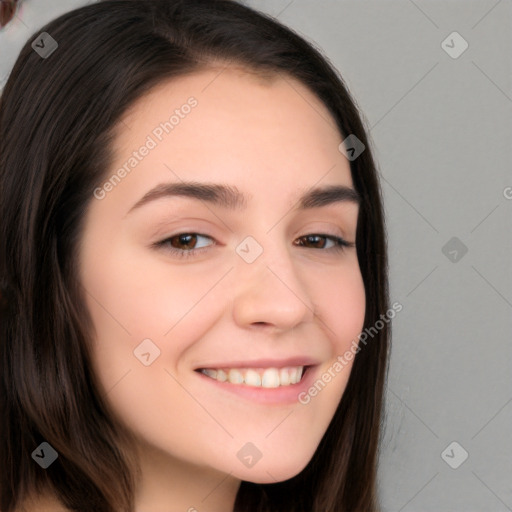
(193, 247)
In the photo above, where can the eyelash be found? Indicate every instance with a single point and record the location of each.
(341, 244)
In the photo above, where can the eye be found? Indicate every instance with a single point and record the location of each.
(185, 245)
(339, 244)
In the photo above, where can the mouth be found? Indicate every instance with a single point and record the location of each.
(258, 377)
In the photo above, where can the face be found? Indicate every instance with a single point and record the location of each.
(243, 286)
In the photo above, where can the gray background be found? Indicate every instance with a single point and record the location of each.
(441, 131)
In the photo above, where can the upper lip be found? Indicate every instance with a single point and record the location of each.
(263, 363)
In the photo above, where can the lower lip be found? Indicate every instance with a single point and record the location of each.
(281, 395)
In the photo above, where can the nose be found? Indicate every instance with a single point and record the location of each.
(270, 291)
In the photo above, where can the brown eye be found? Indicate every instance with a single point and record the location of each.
(185, 244)
(7, 10)
(189, 240)
(319, 241)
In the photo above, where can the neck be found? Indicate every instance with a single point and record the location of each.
(171, 485)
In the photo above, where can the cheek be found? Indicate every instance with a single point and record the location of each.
(131, 300)
(341, 301)
(134, 298)
(149, 298)
(341, 306)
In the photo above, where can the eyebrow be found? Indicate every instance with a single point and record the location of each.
(230, 197)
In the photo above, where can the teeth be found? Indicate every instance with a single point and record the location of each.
(252, 378)
(284, 377)
(266, 378)
(210, 373)
(270, 378)
(235, 377)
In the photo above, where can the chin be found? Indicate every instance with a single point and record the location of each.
(274, 471)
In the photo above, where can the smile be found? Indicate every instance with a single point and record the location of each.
(257, 377)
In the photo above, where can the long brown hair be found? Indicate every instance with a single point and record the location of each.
(57, 118)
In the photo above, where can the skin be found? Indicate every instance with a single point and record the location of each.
(272, 139)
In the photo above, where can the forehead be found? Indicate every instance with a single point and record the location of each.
(231, 101)
(243, 128)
